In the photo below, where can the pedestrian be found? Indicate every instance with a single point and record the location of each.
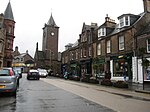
(66, 75)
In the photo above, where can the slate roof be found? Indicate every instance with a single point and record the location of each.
(88, 27)
(145, 30)
(51, 22)
(8, 14)
(136, 19)
(22, 55)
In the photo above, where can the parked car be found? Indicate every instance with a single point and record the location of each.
(43, 73)
(33, 74)
(8, 81)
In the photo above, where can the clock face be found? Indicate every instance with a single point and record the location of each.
(52, 33)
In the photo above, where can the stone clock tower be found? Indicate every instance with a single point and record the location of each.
(50, 42)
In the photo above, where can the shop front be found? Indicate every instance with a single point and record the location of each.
(86, 69)
(98, 66)
(146, 70)
(121, 67)
(75, 70)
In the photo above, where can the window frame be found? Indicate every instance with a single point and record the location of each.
(124, 20)
(90, 51)
(101, 32)
(108, 46)
(99, 49)
(121, 42)
(148, 45)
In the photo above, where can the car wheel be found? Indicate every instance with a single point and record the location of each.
(14, 92)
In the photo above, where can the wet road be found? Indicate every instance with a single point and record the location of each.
(39, 96)
(121, 100)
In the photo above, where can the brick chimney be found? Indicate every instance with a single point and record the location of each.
(146, 5)
(109, 22)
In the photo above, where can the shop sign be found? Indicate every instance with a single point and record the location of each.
(73, 65)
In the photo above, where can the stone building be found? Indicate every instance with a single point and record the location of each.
(48, 57)
(2, 39)
(114, 47)
(7, 27)
(22, 61)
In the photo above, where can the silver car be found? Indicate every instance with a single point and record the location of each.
(8, 81)
(43, 72)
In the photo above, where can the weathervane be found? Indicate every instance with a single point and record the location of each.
(51, 9)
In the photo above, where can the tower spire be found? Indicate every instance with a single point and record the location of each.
(51, 21)
(8, 14)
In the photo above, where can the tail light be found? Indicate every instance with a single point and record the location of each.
(11, 73)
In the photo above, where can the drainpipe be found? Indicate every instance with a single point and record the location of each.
(134, 51)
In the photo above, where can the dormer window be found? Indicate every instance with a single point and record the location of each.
(101, 32)
(124, 21)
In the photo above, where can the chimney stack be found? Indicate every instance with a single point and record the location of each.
(146, 4)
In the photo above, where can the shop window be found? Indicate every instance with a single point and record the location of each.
(120, 68)
(147, 77)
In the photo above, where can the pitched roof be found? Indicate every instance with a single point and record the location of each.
(88, 27)
(8, 14)
(145, 30)
(117, 29)
(51, 22)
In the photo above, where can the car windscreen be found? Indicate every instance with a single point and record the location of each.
(4, 73)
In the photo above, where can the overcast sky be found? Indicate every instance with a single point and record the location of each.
(31, 15)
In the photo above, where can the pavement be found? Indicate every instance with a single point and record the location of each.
(119, 99)
(138, 87)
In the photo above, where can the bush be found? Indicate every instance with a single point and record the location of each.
(120, 84)
(106, 82)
